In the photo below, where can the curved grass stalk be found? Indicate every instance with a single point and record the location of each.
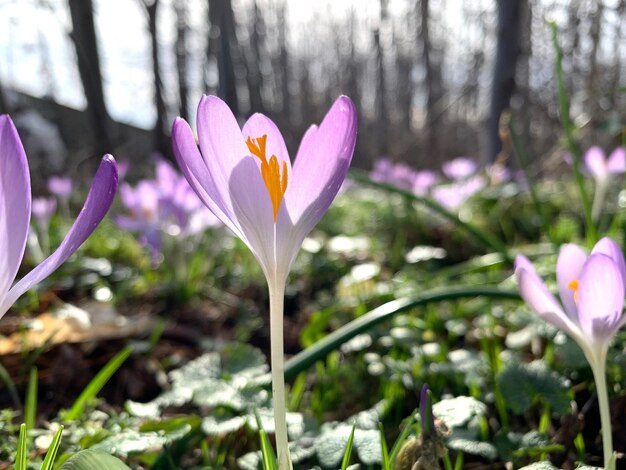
(334, 340)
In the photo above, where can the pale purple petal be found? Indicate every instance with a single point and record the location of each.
(608, 247)
(617, 161)
(166, 177)
(254, 212)
(15, 203)
(96, 206)
(200, 179)
(60, 186)
(600, 297)
(259, 125)
(459, 168)
(595, 162)
(540, 299)
(568, 268)
(43, 208)
(319, 170)
(321, 165)
(221, 142)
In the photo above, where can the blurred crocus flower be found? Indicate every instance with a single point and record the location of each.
(600, 167)
(43, 208)
(246, 178)
(592, 295)
(60, 186)
(453, 195)
(166, 204)
(460, 168)
(15, 211)
(423, 182)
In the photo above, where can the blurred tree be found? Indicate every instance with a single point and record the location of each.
(162, 140)
(83, 36)
(254, 58)
(180, 8)
(381, 99)
(509, 24)
(222, 44)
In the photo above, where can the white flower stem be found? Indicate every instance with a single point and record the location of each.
(277, 304)
(599, 375)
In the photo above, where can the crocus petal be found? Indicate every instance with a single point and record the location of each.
(258, 125)
(321, 165)
(200, 179)
(595, 161)
(319, 170)
(617, 161)
(600, 297)
(568, 267)
(221, 141)
(254, 212)
(96, 206)
(538, 297)
(15, 203)
(608, 247)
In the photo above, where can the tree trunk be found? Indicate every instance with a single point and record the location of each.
(161, 139)
(180, 7)
(509, 23)
(85, 42)
(382, 144)
(222, 22)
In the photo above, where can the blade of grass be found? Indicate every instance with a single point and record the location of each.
(572, 146)
(20, 458)
(386, 464)
(30, 408)
(303, 360)
(524, 162)
(404, 434)
(96, 384)
(270, 462)
(5, 378)
(484, 238)
(348, 453)
(48, 461)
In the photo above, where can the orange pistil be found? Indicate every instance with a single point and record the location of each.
(573, 285)
(275, 183)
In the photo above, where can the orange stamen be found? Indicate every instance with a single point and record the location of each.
(275, 183)
(573, 285)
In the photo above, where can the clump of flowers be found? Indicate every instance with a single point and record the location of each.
(592, 293)
(244, 175)
(163, 206)
(15, 210)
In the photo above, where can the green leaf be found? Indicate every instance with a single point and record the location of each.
(20, 459)
(268, 457)
(303, 360)
(546, 465)
(348, 453)
(383, 449)
(96, 384)
(30, 407)
(93, 460)
(457, 412)
(48, 461)
(406, 431)
(523, 384)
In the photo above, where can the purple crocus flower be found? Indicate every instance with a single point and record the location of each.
(453, 195)
(592, 294)
(460, 168)
(60, 186)
(246, 178)
(591, 290)
(43, 208)
(15, 211)
(600, 167)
